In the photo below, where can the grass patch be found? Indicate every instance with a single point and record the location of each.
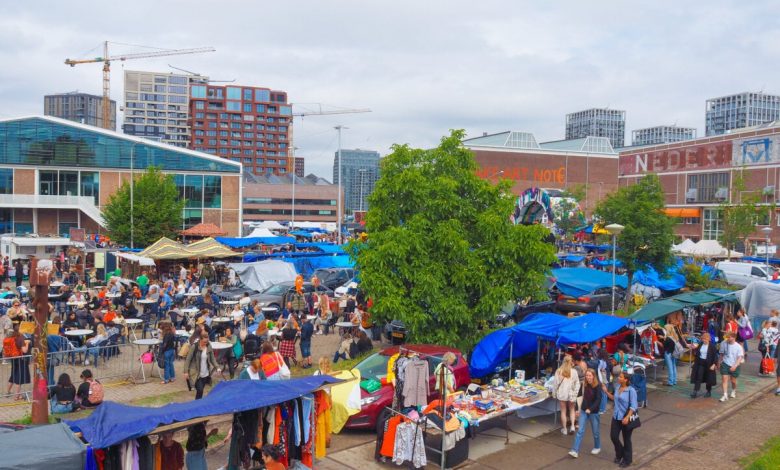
(159, 400)
(27, 420)
(344, 364)
(767, 458)
(216, 438)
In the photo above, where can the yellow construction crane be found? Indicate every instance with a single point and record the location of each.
(106, 59)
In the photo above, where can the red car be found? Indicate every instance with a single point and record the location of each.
(374, 366)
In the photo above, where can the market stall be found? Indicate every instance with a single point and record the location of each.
(261, 411)
(25, 450)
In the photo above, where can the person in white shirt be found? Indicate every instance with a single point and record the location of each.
(769, 336)
(731, 358)
(194, 288)
(182, 274)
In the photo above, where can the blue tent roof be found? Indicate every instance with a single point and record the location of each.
(112, 423)
(305, 263)
(324, 247)
(573, 258)
(606, 262)
(581, 281)
(300, 233)
(493, 349)
(252, 241)
(649, 277)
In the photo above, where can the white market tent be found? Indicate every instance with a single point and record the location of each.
(710, 249)
(260, 232)
(268, 224)
(684, 247)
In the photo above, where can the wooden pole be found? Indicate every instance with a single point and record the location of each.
(39, 280)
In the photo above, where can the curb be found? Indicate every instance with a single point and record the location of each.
(717, 418)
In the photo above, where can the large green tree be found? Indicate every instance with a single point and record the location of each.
(442, 254)
(157, 209)
(649, 233)
(741, 216)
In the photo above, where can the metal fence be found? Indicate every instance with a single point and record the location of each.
(113, 362)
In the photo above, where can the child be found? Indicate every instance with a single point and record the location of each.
(770, 336)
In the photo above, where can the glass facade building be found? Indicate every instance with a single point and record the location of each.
(662, 135)
(55, 174)
(741, 110)
(360, 170)
(79, 107)
(598, 122)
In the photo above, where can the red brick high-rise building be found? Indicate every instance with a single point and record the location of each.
(251, 125)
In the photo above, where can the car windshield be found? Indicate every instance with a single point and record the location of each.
(277, 289)
(373, 367)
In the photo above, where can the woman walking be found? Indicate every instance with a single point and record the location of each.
(674, 337)
(704, 365)
(168, 351)
(744, 330)
(589, 413)
(625, 407)
(566, 386)
(200, 364)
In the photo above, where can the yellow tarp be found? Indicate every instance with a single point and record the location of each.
(345, 397)
(166, 248)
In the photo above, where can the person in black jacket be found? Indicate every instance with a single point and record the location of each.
(589, 413)
(704, 366)
(62, 395)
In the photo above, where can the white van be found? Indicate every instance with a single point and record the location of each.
(743, 274)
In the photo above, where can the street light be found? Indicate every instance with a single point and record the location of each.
(362, 172)
(615, 230)
(767, 231)
(339, 209)
(132, 185)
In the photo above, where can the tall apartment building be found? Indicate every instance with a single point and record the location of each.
(157, 106)
(78, 107)
(597, 122)
(662, 135)
(300, 167)
(739, 111)
(360, 169)
(251, 125)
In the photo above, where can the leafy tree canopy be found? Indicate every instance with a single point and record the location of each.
(157, 209)
(740, 218)
(649, 233)
(567, 213)
(442, 254)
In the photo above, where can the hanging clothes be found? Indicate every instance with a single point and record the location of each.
(90, 463)
(409, 445)
(145, 454)
(128, 453)
(322, 406)
(415, 390)
(388, 442)
(307, 457)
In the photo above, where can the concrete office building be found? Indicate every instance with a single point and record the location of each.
(270, 197)
(557, 165)
(56, 175)
(597, 122)
(300, 167)
(157, 106)
(662, 135)
(698, 176)
(251, 125)
(360, 170)
(78, 107)
(739, 111)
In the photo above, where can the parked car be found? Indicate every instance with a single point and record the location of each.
(334, 277)
(742, 274)
(277, 295)
(236, 292)
(350, 287)
(600, 300)
(373, 413)
(517, 311)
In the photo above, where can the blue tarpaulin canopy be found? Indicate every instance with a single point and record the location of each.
(300, 233)
(581, 281)
(573, 258)
(649, 277)
(112, 423)
(606, 262)
(252, 241)
(305, 262)
(323, 247)
(494, 349)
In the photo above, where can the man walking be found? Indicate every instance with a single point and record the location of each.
(731, 358)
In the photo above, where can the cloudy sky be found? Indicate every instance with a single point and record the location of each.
(422, 66)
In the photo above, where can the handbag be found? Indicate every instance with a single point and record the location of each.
(767, 364)
(147, 357)
(678, 350)
(184, 349)
(633, 422)
(745, 332)
(284, 371)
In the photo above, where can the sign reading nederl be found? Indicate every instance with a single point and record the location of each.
(713, 155)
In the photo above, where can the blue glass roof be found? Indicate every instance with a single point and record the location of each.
(50, 141)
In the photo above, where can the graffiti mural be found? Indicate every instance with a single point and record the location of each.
(532, 206)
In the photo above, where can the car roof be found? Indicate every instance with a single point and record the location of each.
(420, 348)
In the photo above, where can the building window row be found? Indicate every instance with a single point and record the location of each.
(288, 201)
(69, 183)
(252, 211)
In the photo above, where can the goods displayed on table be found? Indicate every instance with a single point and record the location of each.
(499, 398)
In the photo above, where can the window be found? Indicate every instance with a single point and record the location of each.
(47, 183)
(285, 110)
(90, 185)
(758, 272)
(212, 192)
(199, 115)
(192, 217)
(200, 105)
(177, 89)
(6, 183)
(247, 107)
(692, 220)
(713, 224)
(262, 95)
(233, 106)
(260, 108)
(247, 94)
(762, 219)
(6, 221)
(233, 93)
(707, 184)
(177, 99)
(193, 191)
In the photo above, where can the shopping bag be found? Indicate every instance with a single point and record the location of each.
(767, 365)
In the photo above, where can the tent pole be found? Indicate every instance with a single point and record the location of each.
(538, 355)
(511, 356)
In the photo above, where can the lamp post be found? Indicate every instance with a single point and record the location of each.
(615, 230)
(767, 231)
(132, 184)
(339, 209)
(362, 172)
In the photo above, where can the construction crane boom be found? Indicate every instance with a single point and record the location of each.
(325, 113)
(107, 59)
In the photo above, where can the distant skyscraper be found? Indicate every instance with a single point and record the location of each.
(662, 135)
(251, 125)
(361, 172)
(300, 167)
(741, 110)
(157, 106)
(78, 107)
(598, 122)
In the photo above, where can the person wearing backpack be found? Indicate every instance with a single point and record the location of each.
(90, 392)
